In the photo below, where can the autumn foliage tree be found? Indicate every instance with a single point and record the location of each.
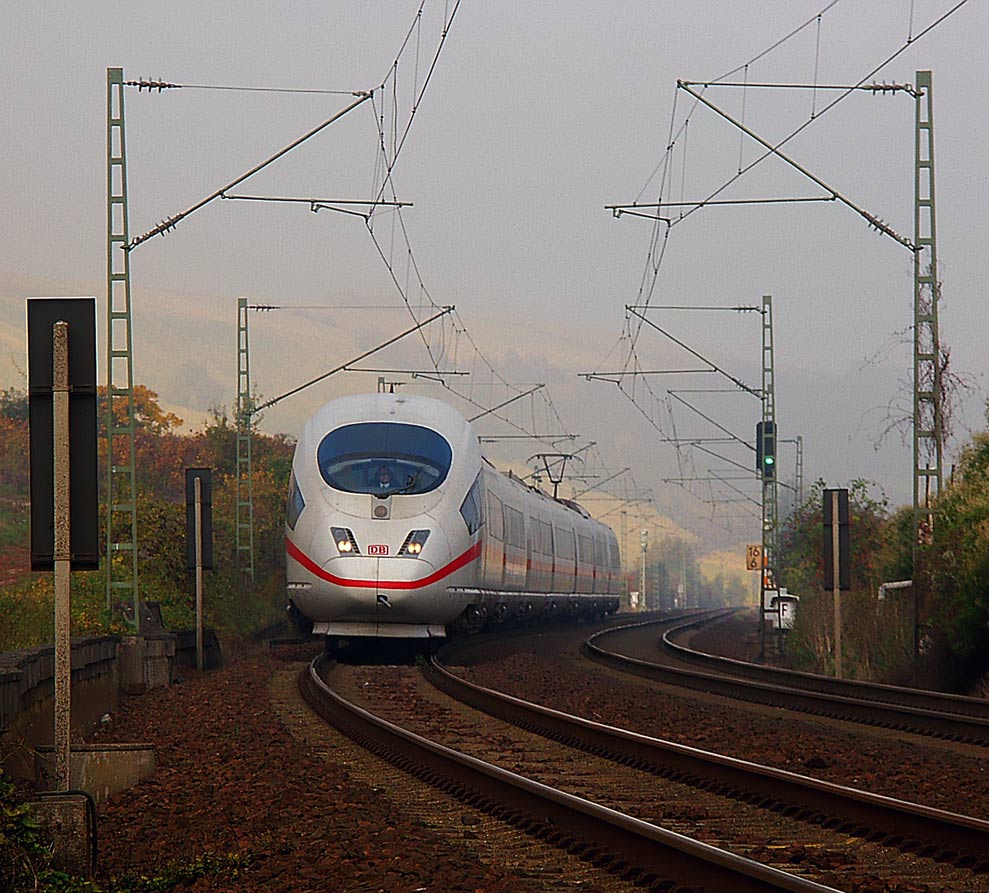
(955, 568)
(162, 453)
(877, 638)
(13, 443)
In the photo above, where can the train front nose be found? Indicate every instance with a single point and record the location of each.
(400, 587)
(367, 589)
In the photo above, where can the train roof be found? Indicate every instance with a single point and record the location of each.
(518, 482)
(408, 409)
(413, 410)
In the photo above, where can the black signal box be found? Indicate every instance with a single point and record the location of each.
(205, 477)
(80, 314)
(836, 515)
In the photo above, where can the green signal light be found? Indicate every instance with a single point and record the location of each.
(769, 460)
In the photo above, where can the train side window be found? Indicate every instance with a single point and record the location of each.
(471, 508)
(295, 504)
(496, 523)
(564, 543)
(585, 549)
(514, 527)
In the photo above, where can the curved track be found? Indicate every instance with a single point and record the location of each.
(688, 785)
(945, 836)
(639, 850)
(926, 713)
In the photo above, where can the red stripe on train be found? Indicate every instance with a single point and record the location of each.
(460, 561)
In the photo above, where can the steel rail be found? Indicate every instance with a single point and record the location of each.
(962, 840)
(850, 688)
(615, 842)
(935, 723)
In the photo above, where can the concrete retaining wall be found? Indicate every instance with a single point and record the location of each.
(102, 668)
(27, 685)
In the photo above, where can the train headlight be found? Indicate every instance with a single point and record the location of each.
(344, 541)
(413, 544)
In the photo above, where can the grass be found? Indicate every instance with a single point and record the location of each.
(14, 522)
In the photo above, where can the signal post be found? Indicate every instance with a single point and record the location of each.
(765, 446)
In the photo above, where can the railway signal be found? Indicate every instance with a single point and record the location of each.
(837, 559)
(62, 407)
(79, 315)
(765, 450)
(199, 539)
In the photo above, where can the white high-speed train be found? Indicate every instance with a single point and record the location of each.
(397, 526)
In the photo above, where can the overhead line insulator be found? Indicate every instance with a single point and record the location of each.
(150, 85)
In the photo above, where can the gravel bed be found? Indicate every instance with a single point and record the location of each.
(233, 777)
(941, 774)
(401, 695)
(241, 772)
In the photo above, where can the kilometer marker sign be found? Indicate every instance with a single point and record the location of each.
(753, 557)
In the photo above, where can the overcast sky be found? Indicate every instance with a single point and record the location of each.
(537, 116)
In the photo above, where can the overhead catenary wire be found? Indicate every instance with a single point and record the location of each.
(872, 219)
(398, 256)
(356, 359)
(734, 437)
(167, 225)
(159, 85)
(674, 133)
(741, 138)
(672, 140)
(263, 308)
(412, 271)
(733, 308)
(817, 64)
(773, 149)
(406, 280)
(761, 55)
(714, 366)
(398, 143)
(865, 88)
(664, 225)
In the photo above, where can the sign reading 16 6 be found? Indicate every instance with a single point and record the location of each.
(753, 557)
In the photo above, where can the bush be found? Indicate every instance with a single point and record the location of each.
(877, 637)
(26, 607)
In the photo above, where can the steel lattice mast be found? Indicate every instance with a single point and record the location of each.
(121, 476)
(799, 477)
(770, 504)
(245, 479)
(928, 416)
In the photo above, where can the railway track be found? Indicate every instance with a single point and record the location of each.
(942, 835)
(717, 819)
(648, 855)
(951, 717)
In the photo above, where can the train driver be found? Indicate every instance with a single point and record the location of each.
(383, 477)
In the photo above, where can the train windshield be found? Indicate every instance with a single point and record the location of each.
(384, 458)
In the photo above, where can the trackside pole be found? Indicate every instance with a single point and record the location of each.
(62, 552)
(835, 559)
(198, 502)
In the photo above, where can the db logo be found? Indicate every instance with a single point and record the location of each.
(379, 549)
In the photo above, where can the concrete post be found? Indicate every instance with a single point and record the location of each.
(62, 553)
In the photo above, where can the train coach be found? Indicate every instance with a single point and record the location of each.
(397, 526)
